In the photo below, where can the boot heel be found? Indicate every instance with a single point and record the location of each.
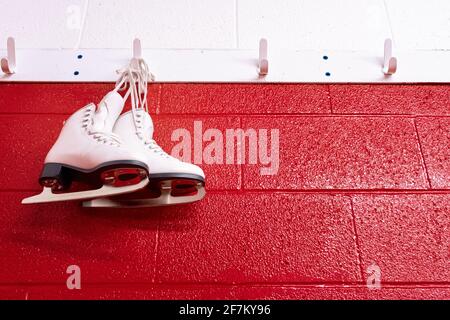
(54, 176)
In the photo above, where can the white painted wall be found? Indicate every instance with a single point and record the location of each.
(227, 24)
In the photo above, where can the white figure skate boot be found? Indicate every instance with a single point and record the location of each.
(171, 180)
(87, 152)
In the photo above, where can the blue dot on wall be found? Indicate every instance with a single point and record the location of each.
(80, 56)
(325, 57)
(327, 74)
(76, 73)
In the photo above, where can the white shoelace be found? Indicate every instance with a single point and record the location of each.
(104, 137)
(135, 79)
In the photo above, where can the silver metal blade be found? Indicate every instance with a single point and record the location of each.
(166, 199)
(48, 196)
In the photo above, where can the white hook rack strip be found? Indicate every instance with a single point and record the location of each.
(99, 65)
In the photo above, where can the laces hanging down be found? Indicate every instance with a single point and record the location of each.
(134, 78)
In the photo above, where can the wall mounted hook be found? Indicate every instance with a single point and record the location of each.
(390, 62)
(8, 63)
(263, 64)
(137, 49)
(137, 55)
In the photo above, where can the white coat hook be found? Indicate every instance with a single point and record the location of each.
(137, 54)
(8, 63)
(263, 64)
(137, 49)
(390, 62)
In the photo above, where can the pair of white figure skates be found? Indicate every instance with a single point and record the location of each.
(114, 155)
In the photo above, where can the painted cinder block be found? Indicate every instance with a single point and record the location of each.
(26, 139)
(340, 153)
(27, 21)
(434, 135)
(219, 176)
(244, 98)
(237, 244)
(406, 236)
(391, 99)
(160, 24)
(313, 25)
(409, 34)
(341, 293)
(224, 292)
(28, 151)
(259, 238)
(39, 242)
(59, 98)
(117, 292)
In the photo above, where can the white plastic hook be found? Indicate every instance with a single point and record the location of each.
(8, 63)
(390, 62)
(137, 49)
(137, 55)
(263, 64)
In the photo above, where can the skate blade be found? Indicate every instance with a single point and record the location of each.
(165, 199)
(48, 196)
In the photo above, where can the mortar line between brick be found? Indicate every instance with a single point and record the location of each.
(304, 191)
(257, 115)
(357, 244)
(330, 101)
(199, 285)
(422, 156)
(156, 250)
(241, 166)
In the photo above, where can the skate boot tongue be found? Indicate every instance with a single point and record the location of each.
(108, 111)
